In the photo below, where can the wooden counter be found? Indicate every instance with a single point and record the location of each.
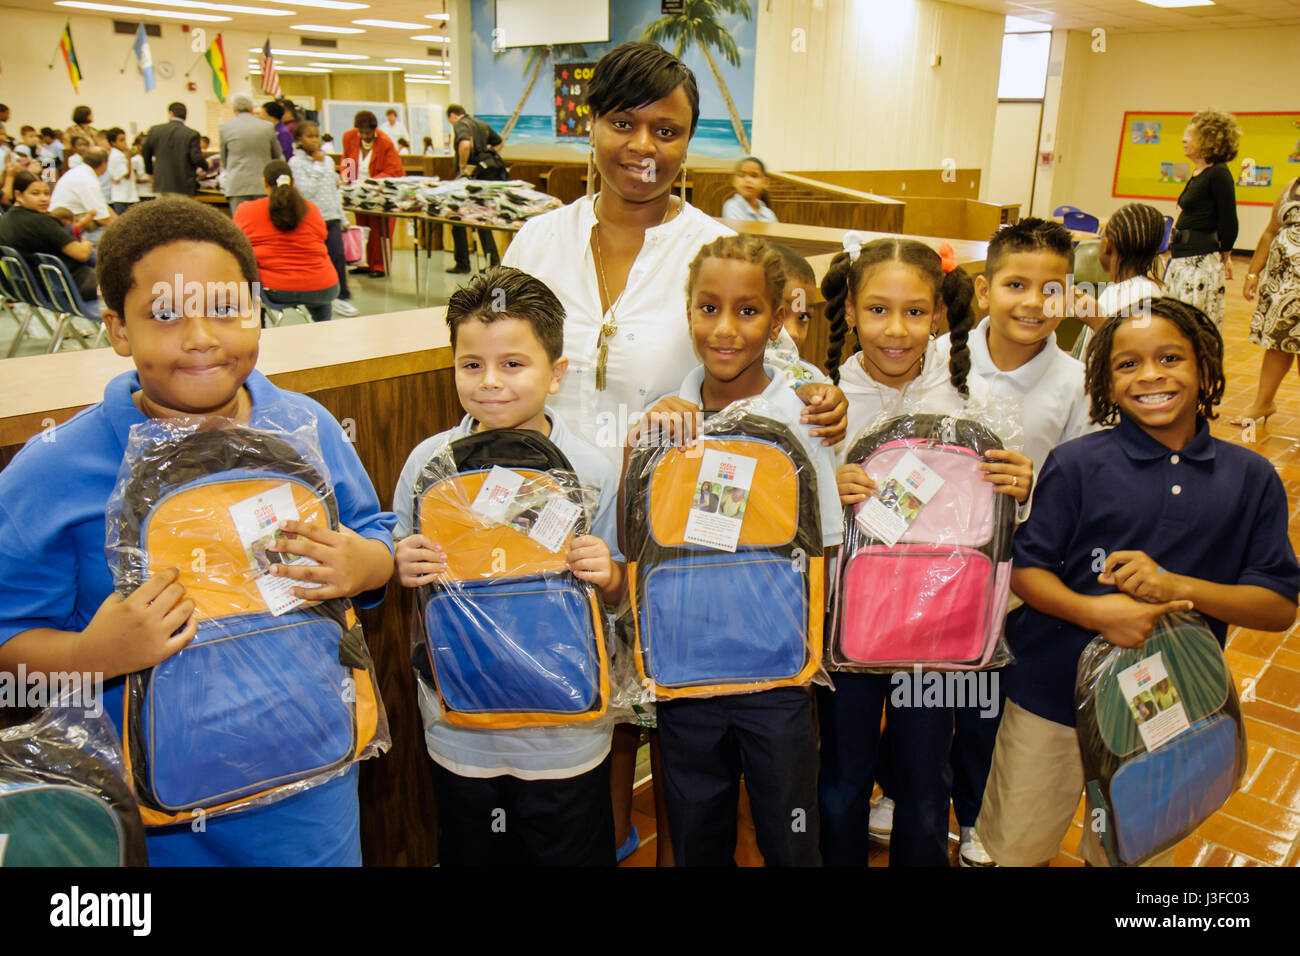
(388, 379)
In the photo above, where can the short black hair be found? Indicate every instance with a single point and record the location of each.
(113, 133)
(1191, 322)
(273, 110)
(637, 74)
(177, 109)
(365, 119)
(506, 293)
(147, 225)
(795, 266)
(456, 108)
(1028, 235)
(81, 116)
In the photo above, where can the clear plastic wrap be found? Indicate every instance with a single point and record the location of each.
(64, 796)
(725, 558)
(1161, 736)
(274, 695)
(509, 637)
(925, 571)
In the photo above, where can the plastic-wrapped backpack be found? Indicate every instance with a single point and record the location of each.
(511, 638)
(938, 597)
(258, 706)
(1153, 798)
(712, 622)
(63, 798)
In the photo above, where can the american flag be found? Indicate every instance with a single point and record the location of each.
(270, 79)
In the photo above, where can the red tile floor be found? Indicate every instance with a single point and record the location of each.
(1259, 825)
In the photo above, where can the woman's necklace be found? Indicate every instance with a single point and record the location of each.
(609, 327)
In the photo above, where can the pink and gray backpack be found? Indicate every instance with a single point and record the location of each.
(938, 596)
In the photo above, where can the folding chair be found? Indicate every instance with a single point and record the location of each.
(26, 290)
(1060, 211)
(273, 315)
(1081, 222)
(71, 306)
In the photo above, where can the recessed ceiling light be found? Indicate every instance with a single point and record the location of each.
(317, 28)
(139, 11)
(221, 7)
(391, 24)
(319, 54)
(359, 66)
(432, 38)
(1178, 3)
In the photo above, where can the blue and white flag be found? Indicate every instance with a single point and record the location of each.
(143, 58)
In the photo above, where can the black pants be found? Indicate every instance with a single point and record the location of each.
(505, 821)
(334, 245)
(707, 743)
(460, 246)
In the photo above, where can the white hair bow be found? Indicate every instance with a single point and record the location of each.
(284, 179)
(853, 243)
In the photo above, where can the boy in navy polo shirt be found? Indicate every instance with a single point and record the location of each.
(58, 609)
(1129, 524)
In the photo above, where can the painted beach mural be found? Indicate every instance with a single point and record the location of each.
(528, 93)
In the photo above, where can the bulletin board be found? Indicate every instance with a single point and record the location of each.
(1150, 163)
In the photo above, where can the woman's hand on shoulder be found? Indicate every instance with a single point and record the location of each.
(827, 410)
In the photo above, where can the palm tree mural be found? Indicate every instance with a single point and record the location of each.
(537, 55)
(698, 24)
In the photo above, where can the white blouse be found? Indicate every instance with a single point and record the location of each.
(651, 352)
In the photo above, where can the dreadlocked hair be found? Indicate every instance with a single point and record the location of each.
(1137, 232)
(1192, 324)
(742, 248)
(954, 289)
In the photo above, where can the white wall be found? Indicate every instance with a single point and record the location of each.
(863, 94)
(40, 96)
(1246, 70)
(1010, 177)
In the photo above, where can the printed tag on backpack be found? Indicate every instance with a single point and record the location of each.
(553, 524)
(898, 501)
(257, 522)
(718, 506)
(495, 496)
(1153, 701)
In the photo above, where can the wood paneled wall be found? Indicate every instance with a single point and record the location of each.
(901, 183)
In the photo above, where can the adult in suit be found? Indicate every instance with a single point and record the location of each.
(247, 145)
(368, 153)
(172, 152)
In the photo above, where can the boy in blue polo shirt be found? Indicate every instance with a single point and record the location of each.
(58, 609)
(536, 795)
(1128, 524)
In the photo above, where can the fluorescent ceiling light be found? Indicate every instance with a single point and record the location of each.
(317, 28)
(221, 7)
(437, 16)
(397, 59)
(140, 11)
(416, 79)
(359, 66)
(1178, 3)
(391, 24)
(426, 76)
(319, 54)
(257, 70)
(432, 38)
(331, 5)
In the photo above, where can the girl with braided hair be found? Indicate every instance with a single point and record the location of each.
(893, 295)
(1130, 243)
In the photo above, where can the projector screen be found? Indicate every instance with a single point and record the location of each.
(547, 22)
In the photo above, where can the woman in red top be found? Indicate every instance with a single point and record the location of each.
(368, 153)
(288, 237)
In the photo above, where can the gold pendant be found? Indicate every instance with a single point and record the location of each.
(607, 331)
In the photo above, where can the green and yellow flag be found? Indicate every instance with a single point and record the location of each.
(70, 56)
(216, 58)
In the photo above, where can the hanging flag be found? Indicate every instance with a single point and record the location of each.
(70, 56)
(216, 58)
(143, 58)
(270, 79)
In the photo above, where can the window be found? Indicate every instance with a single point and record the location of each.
(1026, 47)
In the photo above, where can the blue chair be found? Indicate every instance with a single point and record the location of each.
(24, 288)
(1169, 227)
(1060, 211)
(273, 314)
(1081, 222)
(62, 290)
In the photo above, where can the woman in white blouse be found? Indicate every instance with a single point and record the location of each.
(618, 262)
(316, 178)
(748, 201)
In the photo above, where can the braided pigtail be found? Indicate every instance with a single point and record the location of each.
(958, 293)
(835, 289)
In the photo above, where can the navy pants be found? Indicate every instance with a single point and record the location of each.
(334, 245)
(506, 821)
(921, 778)
(707, 743)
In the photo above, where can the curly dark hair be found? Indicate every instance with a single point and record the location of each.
(147, 225)
(954, 289)
(1217, 135)
(1192, 324)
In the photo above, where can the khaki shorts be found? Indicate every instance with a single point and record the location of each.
(1033, 789)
